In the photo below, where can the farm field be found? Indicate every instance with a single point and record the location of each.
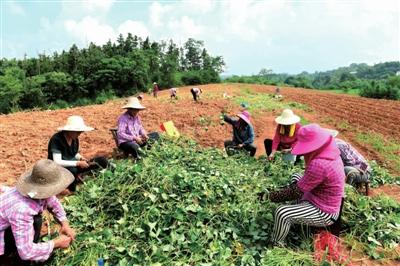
(367, 124)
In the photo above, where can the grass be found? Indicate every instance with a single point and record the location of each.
(388, 148)
(350, 91)
(259, 102)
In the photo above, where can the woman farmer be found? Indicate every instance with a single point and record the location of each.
(243, 133)
(21, 211)
(131, 134)
(285, 134)
(63, 149)
(319, 191)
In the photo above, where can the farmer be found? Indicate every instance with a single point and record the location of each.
(21, 211)
(173, 93)
(63, 149)
(356, 167)
(131, 134)
(319, 191)
(196, 93)
(243, 133)
(155, 89)
(285, 134)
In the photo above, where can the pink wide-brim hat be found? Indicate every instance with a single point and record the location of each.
(245, 116)
(310, 138)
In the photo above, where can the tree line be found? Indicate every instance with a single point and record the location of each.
(96, 73)
(378, 81)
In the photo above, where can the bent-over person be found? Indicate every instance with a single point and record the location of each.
(21, 209)
(243, 133)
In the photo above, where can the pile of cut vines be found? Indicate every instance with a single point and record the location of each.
(186, 205)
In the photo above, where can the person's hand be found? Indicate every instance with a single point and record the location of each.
(67, 230)
(262, 196)
(83, 159)
(271, 156)
(82, 164)
(145, 137)
(62, 241)
(241, 145)
(138, 140)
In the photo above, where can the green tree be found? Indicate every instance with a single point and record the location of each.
(11, 88)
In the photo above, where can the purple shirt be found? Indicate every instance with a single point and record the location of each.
(129, 127)
(17, 211)
(351, 157)
(323, 184)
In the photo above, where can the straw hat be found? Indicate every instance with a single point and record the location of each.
(245, 116)
(44, 180)
(133, 103)
(310, 138)
(287, 118)
(75, 123)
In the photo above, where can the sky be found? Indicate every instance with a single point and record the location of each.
(284, 36)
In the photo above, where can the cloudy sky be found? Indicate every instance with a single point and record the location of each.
(285, 36)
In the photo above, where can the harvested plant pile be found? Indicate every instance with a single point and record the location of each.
(186, 205)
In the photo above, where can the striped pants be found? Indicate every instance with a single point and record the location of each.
(302, 213)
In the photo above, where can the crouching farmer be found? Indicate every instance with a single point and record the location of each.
(319, 191)
(63, 149)
(243, 133)
(21, 210)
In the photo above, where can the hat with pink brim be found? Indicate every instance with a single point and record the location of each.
(245, 116)
(310, 138)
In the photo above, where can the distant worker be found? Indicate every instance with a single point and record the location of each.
(63, 149)
(285, 134)
(155, 89)
(131, 134)
(356, 167)
(196, 93)
(243, 133)
(278, 93)
(244, 106)
(21, 209)
(173, 93)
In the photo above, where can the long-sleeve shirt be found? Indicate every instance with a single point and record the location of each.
(129, 127)
(351, 157)
(17, 211)
(244, 135)
(323, 180)
(284, 141)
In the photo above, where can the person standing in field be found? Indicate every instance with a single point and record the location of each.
(21, 209)
(173, 93)
(319, 191)
(155, 89)
(63, 149)
(243, 133)
(131, 135)
(285, 134)
(196, 92)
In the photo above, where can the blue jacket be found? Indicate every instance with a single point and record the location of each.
(240, 136)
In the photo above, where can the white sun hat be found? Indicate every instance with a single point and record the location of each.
(133, 103)
(75, 123)
(287, 118)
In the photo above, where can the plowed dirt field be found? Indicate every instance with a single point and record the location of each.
(24, 135)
